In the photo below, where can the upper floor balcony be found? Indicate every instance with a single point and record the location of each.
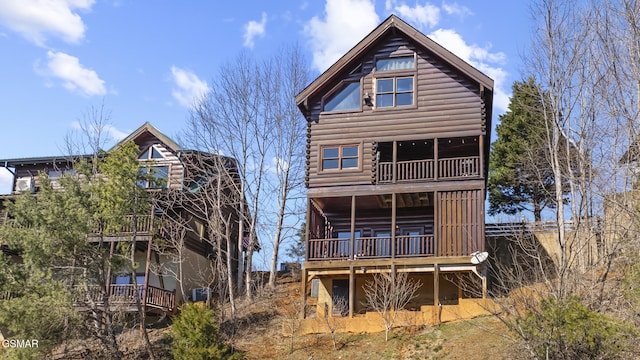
(428, 160)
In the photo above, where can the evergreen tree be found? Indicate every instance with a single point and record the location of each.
(520, 178)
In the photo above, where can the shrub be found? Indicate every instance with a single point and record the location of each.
(566, 329)
(195, 335)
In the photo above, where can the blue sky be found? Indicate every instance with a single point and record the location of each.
(147, 60)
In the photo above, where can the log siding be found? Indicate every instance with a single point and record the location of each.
(447, 104)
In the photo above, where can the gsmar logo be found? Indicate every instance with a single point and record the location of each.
(19, 343)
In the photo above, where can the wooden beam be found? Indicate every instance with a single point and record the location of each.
(304, 293)
(353, 226)
(364, 190)
(352, 291)
(436, 295)
(387, 262)
(394, 211)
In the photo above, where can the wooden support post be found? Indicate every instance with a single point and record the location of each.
(436, 169)
(306, 232)
(481, 152)
(145, 289)
(304, 293)
(107, 281)
(393, 224)
(352, 291)
(353, 226)
(484, 287)
(436, 294)
(394, 171)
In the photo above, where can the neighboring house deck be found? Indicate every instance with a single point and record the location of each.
(178, 175)
(398, 134)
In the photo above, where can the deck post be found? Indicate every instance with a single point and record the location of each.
(352, 291)
(436, 294)
(107, 281)
(306, 232)
(394, 170)
(436, 163)
(145, 289)
(393, 224)
(304, 293)
(353, 227)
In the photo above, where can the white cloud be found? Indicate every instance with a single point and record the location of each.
(6, 181)
(36, 20)
(455, 9)
(74, 76)
(346, 22)
(253, 29)
(426, 15)
(480, 57)
(189, 88)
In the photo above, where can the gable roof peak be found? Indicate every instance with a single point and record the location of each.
(391, 23)
(148, 128)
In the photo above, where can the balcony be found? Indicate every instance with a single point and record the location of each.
(126, 294)
(372, 248)
(428, 170)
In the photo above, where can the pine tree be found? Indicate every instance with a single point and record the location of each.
(520, 178)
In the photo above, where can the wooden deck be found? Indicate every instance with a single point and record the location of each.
(127, 295)
(372, 248)
(428, 169)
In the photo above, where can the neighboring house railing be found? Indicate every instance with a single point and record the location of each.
(125, 294)
(372, 247)
(428, 169)
(510, 229)
(143, 225)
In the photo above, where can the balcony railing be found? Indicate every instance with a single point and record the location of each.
(143, 225)
(125, 294)
(372, 247)
(420, 170)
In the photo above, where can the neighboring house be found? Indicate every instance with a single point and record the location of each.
(397, 158)
(182, 176)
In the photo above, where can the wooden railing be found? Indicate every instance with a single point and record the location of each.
(371, 247)
(417, 170)
(143, 225)
(126, 294)
(514, 228)
(458, 167)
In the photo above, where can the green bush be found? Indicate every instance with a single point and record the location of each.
(566, 329)
(195, 335)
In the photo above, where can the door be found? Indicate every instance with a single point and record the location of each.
(340, 297)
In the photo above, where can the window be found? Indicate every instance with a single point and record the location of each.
(151, 154)
(339, 157)
(345, 98)
(396, 63)
(55, 174)
(396, 91)
(154, 177)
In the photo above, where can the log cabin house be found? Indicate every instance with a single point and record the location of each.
(181, 175)
(397, 158)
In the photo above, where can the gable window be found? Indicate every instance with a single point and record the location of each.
(154, 177)
(151, 154)
(396, 63)
(394, 91)
(340, 157)
(345, 98)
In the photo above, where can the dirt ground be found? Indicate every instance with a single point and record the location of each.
(480, 338)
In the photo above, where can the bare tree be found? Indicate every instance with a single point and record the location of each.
(250, 115)
(388, 293)
(290, 75)
(333, 322)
